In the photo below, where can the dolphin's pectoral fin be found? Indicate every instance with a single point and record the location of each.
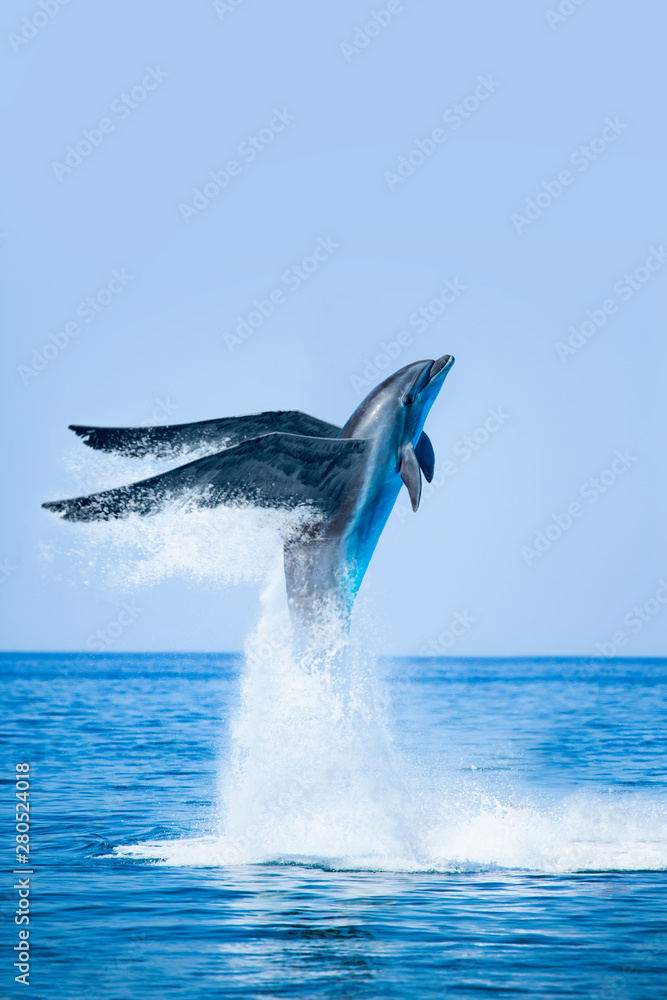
(425, 456)
(410, 474)
(275, 470)
(171, 440)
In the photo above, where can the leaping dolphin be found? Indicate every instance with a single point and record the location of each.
(347, 478)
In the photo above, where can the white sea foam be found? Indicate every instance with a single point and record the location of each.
(311, 775)
(312, 778)
(580, 833)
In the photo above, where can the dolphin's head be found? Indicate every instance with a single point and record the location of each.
(402, 401)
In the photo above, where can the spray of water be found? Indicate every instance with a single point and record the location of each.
(311, 774)
(206, 547)
(310, 743)
(312, 777)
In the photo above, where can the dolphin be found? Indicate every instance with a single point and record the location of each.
(346, 478)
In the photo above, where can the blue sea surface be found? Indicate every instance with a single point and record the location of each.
(551, 843)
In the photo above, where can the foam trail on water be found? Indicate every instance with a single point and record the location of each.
(578, 835)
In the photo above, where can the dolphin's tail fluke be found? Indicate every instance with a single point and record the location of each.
(275, 470)
(171, 440)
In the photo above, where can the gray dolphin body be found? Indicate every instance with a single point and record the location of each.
(347, 478)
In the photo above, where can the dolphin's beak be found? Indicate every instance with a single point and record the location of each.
(443, 364)
(431, 370)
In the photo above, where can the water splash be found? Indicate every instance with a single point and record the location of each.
(581, 834)
(309, 744)
(311, 774)
(312, 777)
(212, 547)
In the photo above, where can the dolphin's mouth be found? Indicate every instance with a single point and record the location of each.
(443, 363)
(429, 372)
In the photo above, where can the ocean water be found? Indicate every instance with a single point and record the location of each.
(207, 826)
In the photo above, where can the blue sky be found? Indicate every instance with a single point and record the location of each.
(481, 179)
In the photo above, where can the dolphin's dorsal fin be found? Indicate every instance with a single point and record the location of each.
(171, 440)
(277, 470)
(425, 456)
(410, 474)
